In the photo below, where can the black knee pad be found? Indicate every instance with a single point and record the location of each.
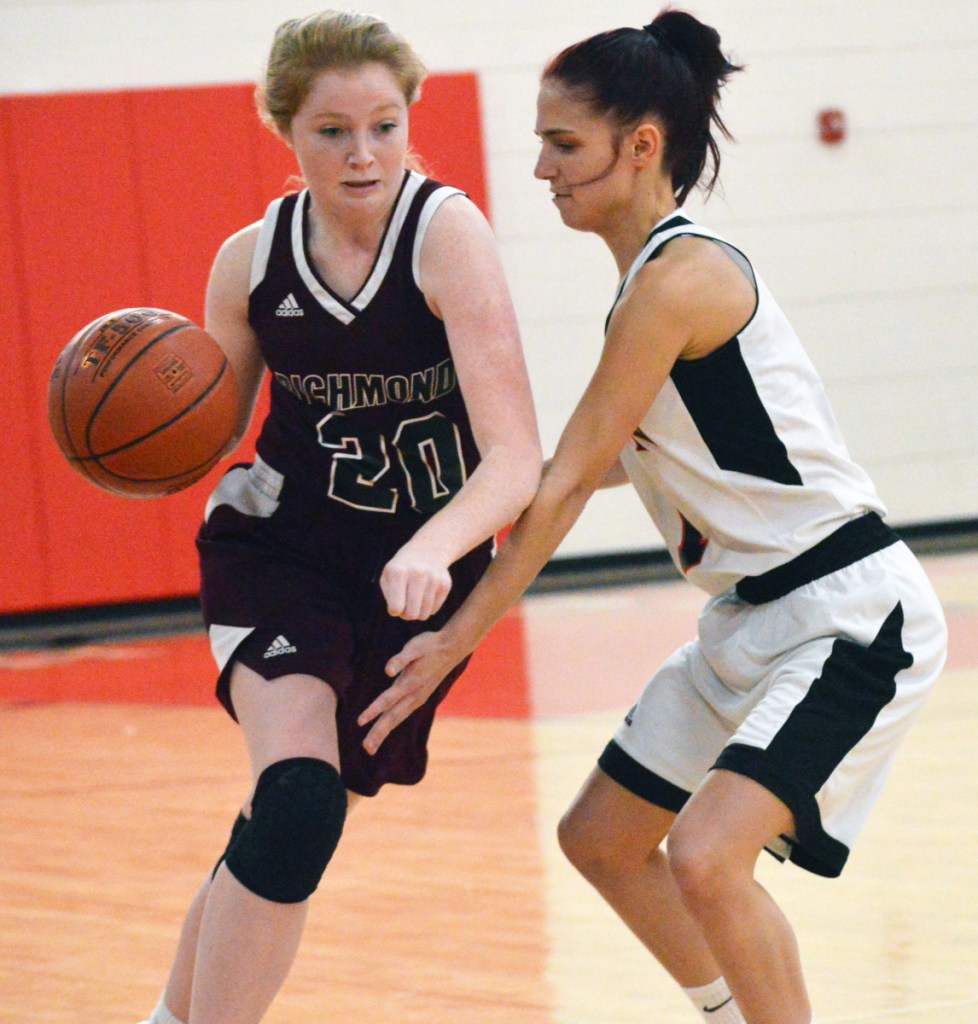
(297, 816)
(239, 824)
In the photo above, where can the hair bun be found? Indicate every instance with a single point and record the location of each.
(688, 37)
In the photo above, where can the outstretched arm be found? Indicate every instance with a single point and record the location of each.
(589, 446)
(686, 304)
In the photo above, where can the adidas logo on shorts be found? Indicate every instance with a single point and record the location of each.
(279, 646)
(289, 307)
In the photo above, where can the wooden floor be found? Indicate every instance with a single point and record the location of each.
(450, 902)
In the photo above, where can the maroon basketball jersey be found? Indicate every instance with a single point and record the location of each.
(367, 421)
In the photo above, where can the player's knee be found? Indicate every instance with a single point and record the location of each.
(297, 816)
(582, 841)
(574, 841)
(700, 865)
(240, 822)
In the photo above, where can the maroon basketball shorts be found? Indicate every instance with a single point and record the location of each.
(284, 595)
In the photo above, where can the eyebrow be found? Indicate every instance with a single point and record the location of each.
(550, 132)
(373, 113)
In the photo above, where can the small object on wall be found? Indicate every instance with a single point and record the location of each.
(831, 126)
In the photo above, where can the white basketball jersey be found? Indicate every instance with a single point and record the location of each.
(739, 460)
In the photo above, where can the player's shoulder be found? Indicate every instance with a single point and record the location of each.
(231, 271)
(453, 209)
(457, 230)
(242, 242)
(690, 268)
(234, 257)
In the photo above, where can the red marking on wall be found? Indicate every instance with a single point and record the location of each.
(180, 671)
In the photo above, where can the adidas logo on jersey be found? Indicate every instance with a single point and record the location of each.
(289, 307)
(279, 646)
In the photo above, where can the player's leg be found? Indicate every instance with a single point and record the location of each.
(174, 1006)
(614, 831)
(175, 1002)
(805, 765)
(255, 908)
(613, 838)
(713, 849)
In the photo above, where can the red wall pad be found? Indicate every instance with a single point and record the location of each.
(119, 199)
(79, 248)
(23, 556)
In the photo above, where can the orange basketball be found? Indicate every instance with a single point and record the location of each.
(142, 402)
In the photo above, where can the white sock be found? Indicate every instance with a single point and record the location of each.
(162, 1015)
(715, 1003)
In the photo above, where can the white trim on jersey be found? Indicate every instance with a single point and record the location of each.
(331, 304)
(251, 490)
(263, 250)
(361, 300)
(661, 236)
(431, 207)
(386, 254)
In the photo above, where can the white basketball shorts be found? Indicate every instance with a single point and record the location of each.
(809, 694)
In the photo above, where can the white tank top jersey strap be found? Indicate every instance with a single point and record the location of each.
(739, 460)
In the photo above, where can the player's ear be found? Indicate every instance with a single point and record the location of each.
(646, 143)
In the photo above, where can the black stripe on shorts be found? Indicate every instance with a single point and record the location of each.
(627, 772)
(839, 709)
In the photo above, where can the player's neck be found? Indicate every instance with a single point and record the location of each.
(628, 231)
(346, 231)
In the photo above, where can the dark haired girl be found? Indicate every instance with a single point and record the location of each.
(775, 728)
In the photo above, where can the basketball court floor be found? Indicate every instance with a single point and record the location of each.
(450, 901)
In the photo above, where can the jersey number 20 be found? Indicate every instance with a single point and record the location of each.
(429, 461)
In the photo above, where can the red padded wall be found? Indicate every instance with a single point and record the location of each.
(23, 555)
(79, 241)
(121, 199)
(446, 132)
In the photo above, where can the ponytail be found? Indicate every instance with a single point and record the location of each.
(672, 69)
(693, 142)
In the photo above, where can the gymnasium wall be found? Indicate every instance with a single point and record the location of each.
(869, 244)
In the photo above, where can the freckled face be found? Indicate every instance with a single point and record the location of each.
(579, 157)
(350, 137)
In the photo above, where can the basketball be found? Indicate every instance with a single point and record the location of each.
(142, 402)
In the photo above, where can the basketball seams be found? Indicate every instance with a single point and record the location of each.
(119, 377)
(186, 410)
(75, 349)
(192, 474)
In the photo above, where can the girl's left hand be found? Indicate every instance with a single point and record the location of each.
(414, 583)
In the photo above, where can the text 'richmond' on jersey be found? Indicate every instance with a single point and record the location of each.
(342, 392)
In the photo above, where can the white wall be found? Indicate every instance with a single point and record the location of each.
(871, 247)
